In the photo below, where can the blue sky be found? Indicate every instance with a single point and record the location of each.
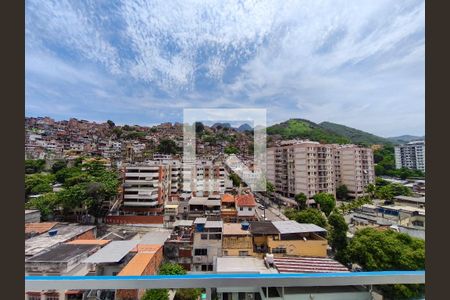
(359, 63)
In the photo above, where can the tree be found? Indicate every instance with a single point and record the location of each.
(342, 192)
(167, 146)
(338, 234)
(34, 166)
(187, 294)
(301, 200)
(376, 250)
(312, 216)
(59, 165)
(96, 193)
(38, 183)
(111, 124)
(231, 150)
(370, 189)
(171, 269)
(156, 294)
(72, 197)
(199, 127)
(46, 204)
(326, 201)
(270, 188)
(236, 179)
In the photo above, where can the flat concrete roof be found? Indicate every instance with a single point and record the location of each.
(44, 241)
(62, 253)
(242, 264)
(214, 224)
(183, 223)
(155, 237)
(113, 252)
(410, 199)
(234, 229)
(285, 227)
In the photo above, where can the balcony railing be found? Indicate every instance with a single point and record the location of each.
(38, 283)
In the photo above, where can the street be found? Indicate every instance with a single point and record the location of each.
(271, 213)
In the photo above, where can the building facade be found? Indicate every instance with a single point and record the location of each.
(410, 156)
(310, 167)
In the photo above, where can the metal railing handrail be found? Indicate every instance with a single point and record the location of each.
(223, 280)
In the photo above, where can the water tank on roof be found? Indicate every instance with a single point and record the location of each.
(200, 227)
(245, 225)
(52, 232)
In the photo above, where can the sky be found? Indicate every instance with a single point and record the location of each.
(358, 63)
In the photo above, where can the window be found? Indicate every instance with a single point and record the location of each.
(243, 253)
(241, 208)
(225, 252)
(204, 236)
(34, 297)
(201, 252)
(279, 250)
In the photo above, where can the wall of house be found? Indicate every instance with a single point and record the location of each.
(316, 248)
(234, 244)
(135, 219)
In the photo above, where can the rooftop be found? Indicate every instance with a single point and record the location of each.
(227, 198)
(247, 264)
(200, 221)
(62, 253)
(183, 223)
(410, 199)
(137, 265)
(41, 242)
(89, 242)
(214, 224)
(285, 227)
(113, 252)
(245, 200)
(234, 229)
(308, 265)
(145, 248)
(155, 237)
(263, 227)
(39, 227)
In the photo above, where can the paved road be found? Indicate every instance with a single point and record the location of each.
(271, 212)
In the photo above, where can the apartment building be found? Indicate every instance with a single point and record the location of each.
(311, 168)
(246, 207)
(203, 178)
(410, 156)
(207, 244)
(146, 187)
(354, 167)
(237, 239)
(301, 167)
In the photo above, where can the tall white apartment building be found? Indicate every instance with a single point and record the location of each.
(310, 167)
(410, 156)
(203, 178)
(301, 167)
(354, 167)
(147, 186)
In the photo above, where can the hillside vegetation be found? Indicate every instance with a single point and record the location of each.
(304, 129)
(355, 135)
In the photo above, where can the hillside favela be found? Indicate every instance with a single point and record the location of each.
(103, 199)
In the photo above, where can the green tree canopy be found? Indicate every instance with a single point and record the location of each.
(301, 200)
(156, 294)
(342, 192)
(338, 234)
(34, 166)
(46, 204)
(310, 215)
(187, 294)
(59, 165)
(376, 250)
(326, 201)
(38, 183)
(167, 146)
(171, 269)
(231, 150)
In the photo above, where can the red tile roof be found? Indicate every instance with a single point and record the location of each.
(227, 198)
(39, 227)
(245, 200)
(308, 265)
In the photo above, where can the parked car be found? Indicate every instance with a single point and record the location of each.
(261, 207)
